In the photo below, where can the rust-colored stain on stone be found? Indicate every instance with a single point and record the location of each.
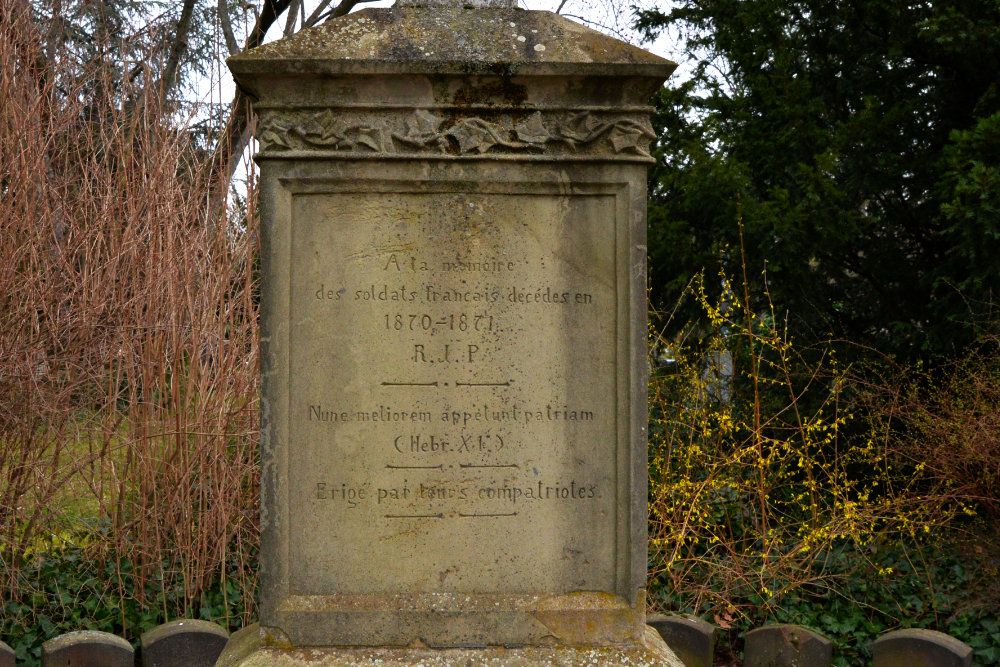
(596, 616)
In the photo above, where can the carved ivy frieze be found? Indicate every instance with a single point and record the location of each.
(422, 131)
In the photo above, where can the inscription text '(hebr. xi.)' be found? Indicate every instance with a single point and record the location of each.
(454, 359)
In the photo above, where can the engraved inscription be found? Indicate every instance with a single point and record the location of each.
(454, 359)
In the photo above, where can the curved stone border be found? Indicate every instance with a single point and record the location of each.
(920, 648)
(786, 646)
(196, 643)
(6, 655)
(193, 643)
(240, 645)
(87, 648)
(691, 638)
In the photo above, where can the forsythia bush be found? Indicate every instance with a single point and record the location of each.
(768, 485)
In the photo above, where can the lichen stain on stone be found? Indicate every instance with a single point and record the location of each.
(590, 600)
(589, 617)
(572, 630)
(275, 638)
(645, 649)
(442, 34)
(648, 654)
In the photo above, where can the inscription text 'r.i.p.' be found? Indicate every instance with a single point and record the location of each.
(436, 386)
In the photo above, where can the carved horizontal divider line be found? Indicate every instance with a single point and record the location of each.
(496, 157)
(195, 643)
(492, 108)
(425, 134)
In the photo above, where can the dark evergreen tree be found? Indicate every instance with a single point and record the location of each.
(859, 142)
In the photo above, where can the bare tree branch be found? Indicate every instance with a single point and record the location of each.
(317, 14)
(177, 47)
(343, 8)
(236, 135)
(290, 23)
(270, 13)
(227, 29)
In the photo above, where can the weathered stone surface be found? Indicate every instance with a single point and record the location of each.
(453, 392)
(6, 655)
(786, 646)
(920, 648)
(652, 652)
(461, 409)
(498, 41)
(87, 648)
(689, 637)
(508, 4)
(240, 647)
(453, 337)
(193, 643)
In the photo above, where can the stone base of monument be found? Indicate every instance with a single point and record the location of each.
(244, 650)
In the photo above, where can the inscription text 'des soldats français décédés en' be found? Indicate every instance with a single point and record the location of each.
(454, 362)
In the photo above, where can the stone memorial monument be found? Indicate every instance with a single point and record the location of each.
(453, 341)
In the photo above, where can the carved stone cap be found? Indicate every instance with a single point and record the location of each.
(449, 82)
(448, 39)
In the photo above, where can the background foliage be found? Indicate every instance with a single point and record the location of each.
(859, 140)
(785, 487)
(841, 160)
(128, 343)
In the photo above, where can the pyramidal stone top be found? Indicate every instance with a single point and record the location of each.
(442, 37)
(473, 4)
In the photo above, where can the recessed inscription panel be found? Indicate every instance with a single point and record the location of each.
(452, 403)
